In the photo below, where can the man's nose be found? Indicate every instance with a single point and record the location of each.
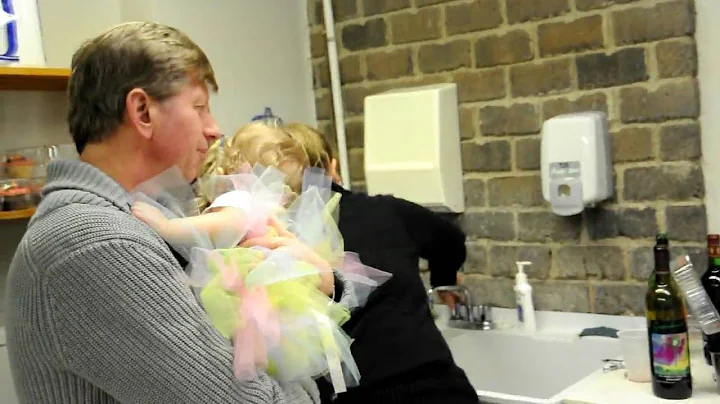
(212, 131)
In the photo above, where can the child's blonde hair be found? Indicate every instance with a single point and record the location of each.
(319, 149)
(256, 143)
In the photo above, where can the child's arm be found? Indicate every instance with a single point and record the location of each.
(224, 226)
(301, 251)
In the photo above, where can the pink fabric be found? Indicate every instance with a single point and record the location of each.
(258, 328)
(350, 265)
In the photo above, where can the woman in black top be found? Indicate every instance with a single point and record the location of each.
(401, 354)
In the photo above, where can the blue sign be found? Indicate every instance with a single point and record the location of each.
(11, 54)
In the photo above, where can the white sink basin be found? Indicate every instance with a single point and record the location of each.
(507, 366)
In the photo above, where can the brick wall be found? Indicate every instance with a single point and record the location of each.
(517, 63)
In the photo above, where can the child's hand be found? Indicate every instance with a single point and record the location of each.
(301, 252)
(278, 227)
(149, 214)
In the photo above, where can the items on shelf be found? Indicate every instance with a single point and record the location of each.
(23, 171)
(19, 194)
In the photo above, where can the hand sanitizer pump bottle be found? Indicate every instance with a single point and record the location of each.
(523, 296)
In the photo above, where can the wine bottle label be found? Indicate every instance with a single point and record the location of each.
(670, 356)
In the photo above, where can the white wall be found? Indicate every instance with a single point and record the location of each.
(260, 50)
(66, 24)
(708, 43)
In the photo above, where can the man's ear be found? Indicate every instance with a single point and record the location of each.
(137, 107)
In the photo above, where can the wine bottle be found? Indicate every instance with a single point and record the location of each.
(711, 283)
(667, 330)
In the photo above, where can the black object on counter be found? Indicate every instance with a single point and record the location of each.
(599, 332)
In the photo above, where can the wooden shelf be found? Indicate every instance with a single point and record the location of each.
(33, 78)
(17, 214)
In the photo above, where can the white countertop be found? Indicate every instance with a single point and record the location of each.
(614, 388)
(597, 387)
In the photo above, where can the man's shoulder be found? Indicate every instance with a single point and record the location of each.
(78, 226)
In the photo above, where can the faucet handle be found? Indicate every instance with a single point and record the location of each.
(458, 290)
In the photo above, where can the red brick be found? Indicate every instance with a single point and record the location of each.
(370, 34)
(486, 157)
(531, 10)
(676, 58)
(468, 123)
(476, 16)
(588, 102)
(632, 144)
(355, 133)
(321, 73)
(372, 7)
(389, 65)
(515, 191)
(443, 57)
(323, 105)
(354, 99)
(422, 3)
(680, 142)
(599, 70)
(527, 154)
(669, 101)
(509, 48)
(564, 37)
(540, 78)
(513, 120)
(356, 163)
(480, 85)
(415, 26)
(643, 24)
(318, 44)
(350, 71)
(585, 5)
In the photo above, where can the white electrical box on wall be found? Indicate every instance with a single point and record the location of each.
(412, 146)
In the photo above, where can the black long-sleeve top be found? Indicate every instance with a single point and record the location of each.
(395, 333)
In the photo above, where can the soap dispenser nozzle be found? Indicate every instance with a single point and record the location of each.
(521, 268)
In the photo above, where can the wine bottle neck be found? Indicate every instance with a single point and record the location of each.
(662, 263)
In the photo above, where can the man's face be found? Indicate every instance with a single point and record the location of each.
(184, 129)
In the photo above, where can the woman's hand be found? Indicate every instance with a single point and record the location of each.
(449, 298)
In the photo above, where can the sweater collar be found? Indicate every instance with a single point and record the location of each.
(77, 175)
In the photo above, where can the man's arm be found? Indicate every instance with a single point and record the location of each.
(441, 242)
(127, 322)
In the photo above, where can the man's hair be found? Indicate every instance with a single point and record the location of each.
(318, 147)
(255, 143)
(154, 57)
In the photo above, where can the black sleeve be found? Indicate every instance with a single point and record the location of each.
(441, 242)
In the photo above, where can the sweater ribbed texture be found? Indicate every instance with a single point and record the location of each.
(99, 311)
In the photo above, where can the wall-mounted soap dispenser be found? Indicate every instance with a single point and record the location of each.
(412, 146)
(576, 161)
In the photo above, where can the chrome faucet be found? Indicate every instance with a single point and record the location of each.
(465, 314)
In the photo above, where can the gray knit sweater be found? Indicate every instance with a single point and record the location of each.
(98, 310)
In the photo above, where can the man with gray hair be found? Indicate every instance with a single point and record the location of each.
(98, 308)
